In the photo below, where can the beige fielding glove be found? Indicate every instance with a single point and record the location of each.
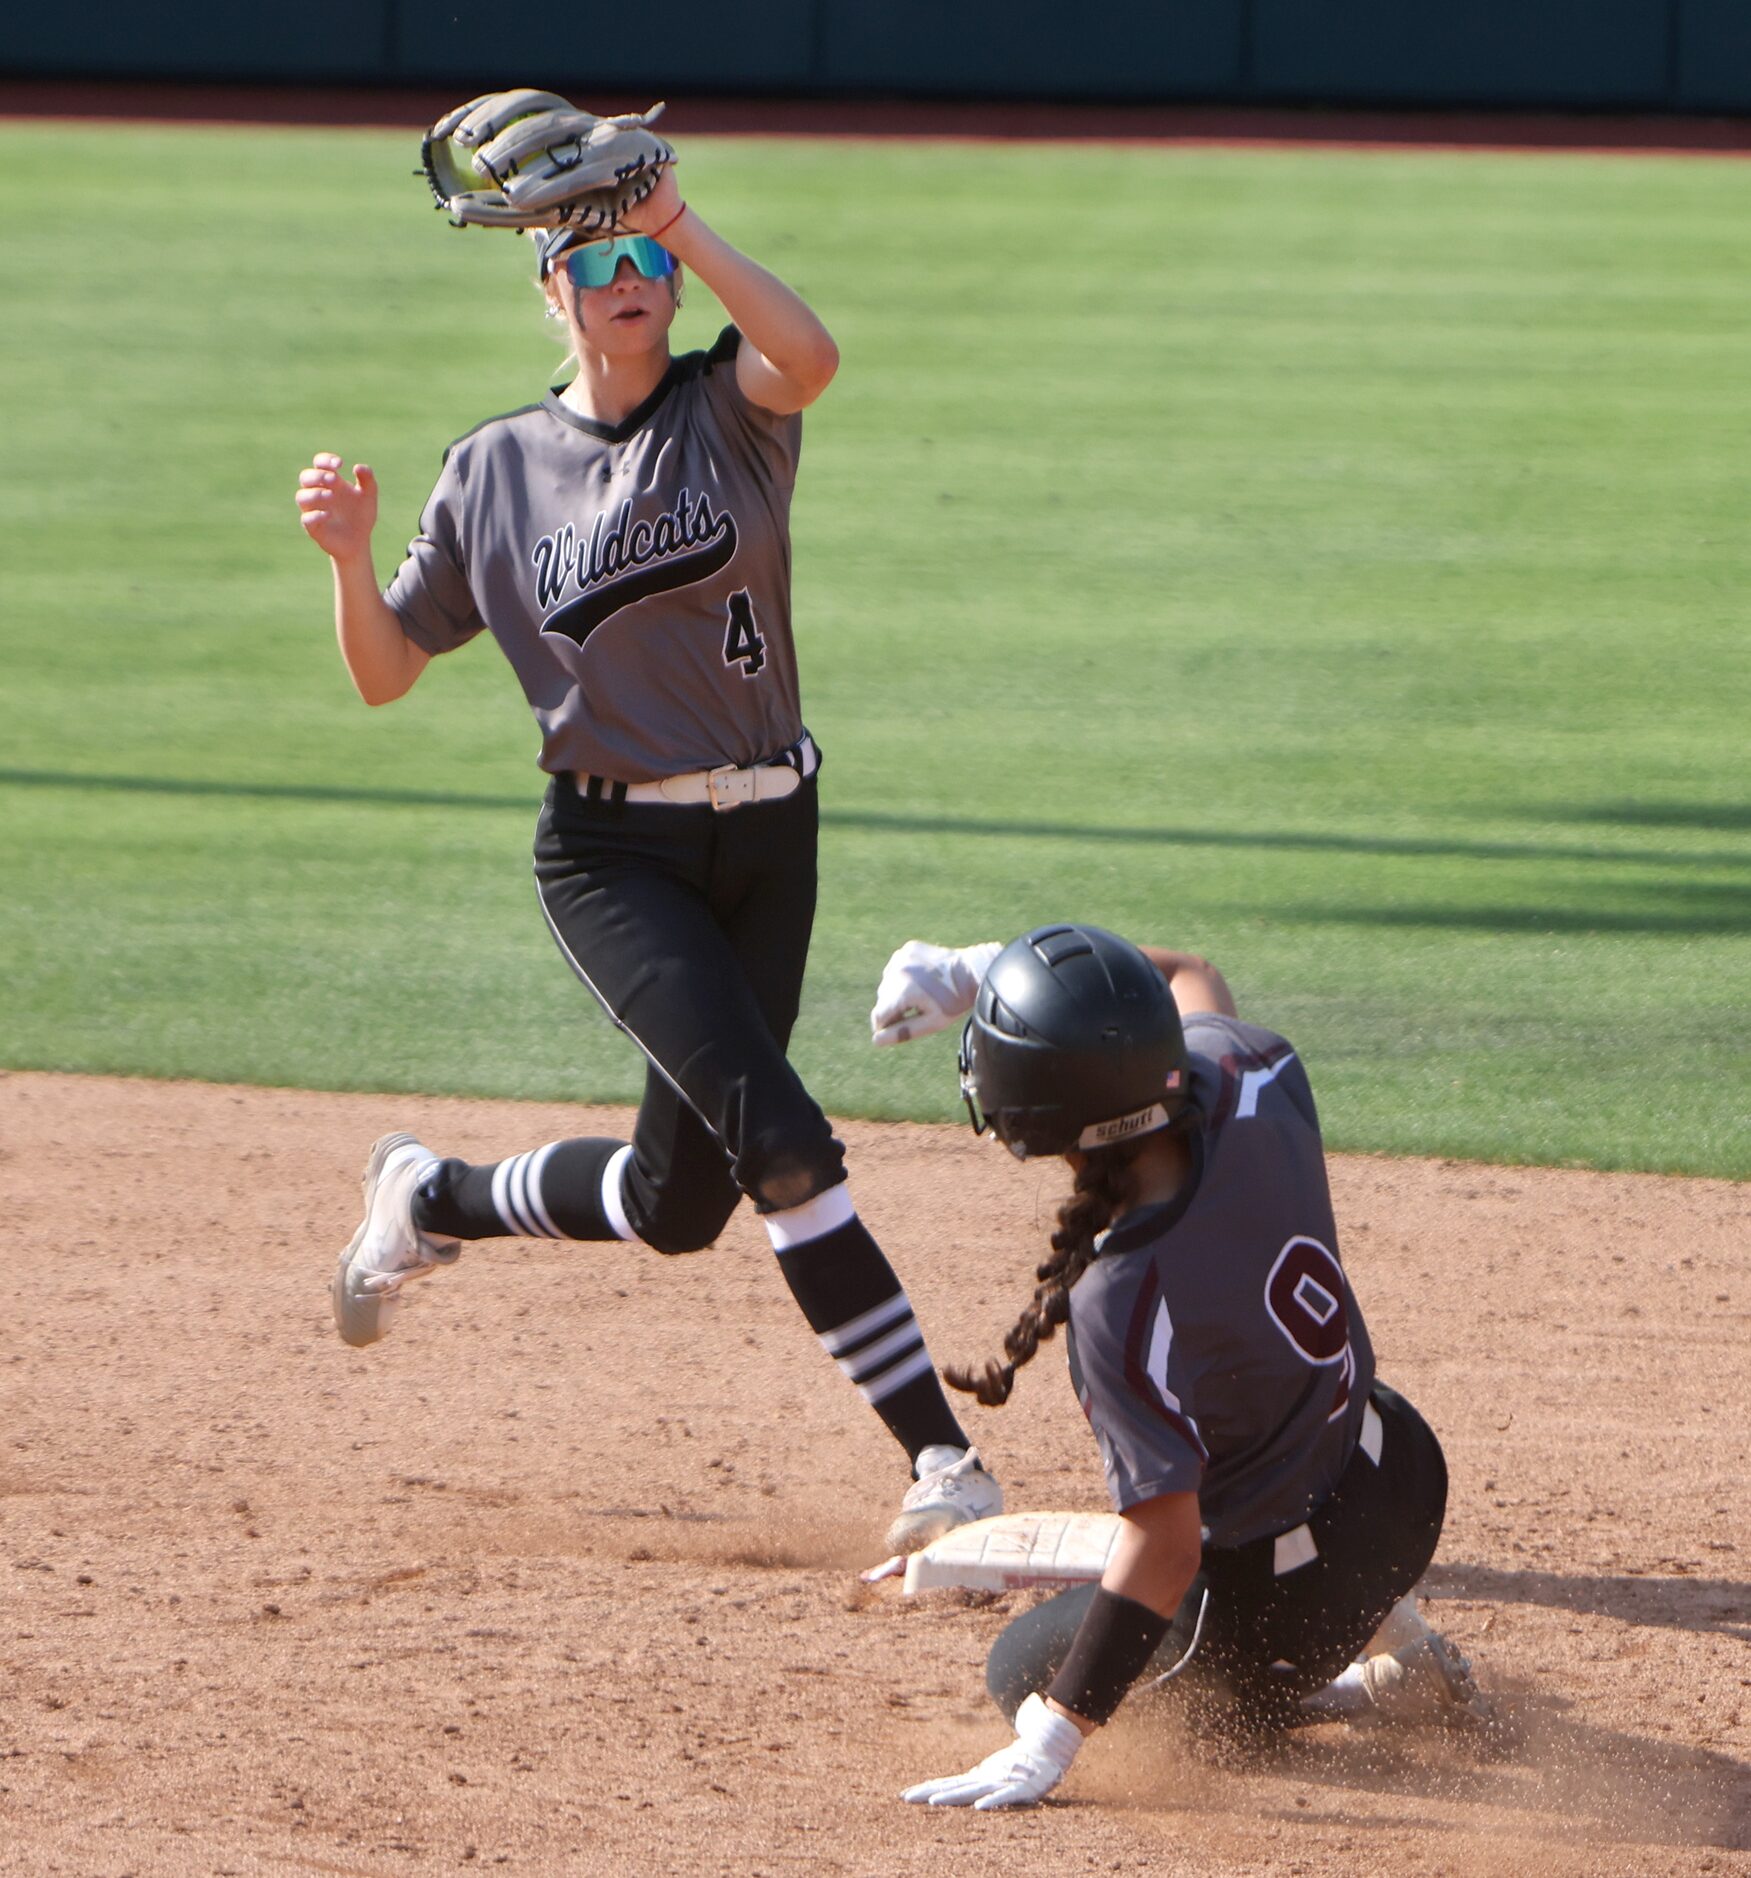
(529, 159)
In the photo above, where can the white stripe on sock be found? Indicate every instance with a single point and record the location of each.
(882, 1349)
(526, 1191)
(535, 1205)
(814, 1219)
(613, 1195)
(520, 1194)
(513, 1204)
(519, 1191)
(880, 1387)
(835, 1340)
(532, 1191)
(501, 1198)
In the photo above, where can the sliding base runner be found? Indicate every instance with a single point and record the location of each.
(1407, 1672)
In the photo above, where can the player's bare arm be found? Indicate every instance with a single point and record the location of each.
(1160, 1546)
(339, 515)
(1157, 1556)
(1196, 984)
(788, 357)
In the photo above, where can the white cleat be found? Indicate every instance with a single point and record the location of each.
(388, 1249)
(952, 1489)
(1425, 1681)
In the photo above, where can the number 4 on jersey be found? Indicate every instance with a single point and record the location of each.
(743, 645)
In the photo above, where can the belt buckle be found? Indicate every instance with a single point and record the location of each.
(729, 787)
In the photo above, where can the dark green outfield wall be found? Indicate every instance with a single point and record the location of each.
(1692, 55)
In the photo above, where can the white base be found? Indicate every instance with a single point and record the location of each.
(1015, 1550)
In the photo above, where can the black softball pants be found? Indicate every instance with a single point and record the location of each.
(691, 926)
(1268, 1639)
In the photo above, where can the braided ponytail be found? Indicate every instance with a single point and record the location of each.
(1102, 1189)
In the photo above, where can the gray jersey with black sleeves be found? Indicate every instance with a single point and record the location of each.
(637, 576)
(1215, 1343)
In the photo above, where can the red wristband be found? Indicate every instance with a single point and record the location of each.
(658, 233)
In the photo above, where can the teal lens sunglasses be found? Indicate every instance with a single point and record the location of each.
(594, 264)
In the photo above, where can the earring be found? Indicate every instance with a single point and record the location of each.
(553, 311)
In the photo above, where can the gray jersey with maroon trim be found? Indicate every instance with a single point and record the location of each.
(1215, 1343)
(637, 576)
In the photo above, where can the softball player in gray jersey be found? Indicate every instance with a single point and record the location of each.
(1278, 1502)
(626, 541)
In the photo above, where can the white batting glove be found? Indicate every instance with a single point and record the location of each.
(1021, 1774)
(926, 987)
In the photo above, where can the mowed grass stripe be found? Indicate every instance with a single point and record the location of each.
(1331, 561)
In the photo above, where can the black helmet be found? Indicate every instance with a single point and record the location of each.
(1074, 1042)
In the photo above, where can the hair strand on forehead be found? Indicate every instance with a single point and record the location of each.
(1102, 1189)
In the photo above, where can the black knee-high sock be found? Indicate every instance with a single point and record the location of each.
(855, 1304)
(553, 1192)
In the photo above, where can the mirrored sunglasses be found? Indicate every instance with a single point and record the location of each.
(594, 264)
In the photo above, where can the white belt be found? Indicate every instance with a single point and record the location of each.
(725, 788)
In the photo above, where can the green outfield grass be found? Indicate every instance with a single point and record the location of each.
(1335, 563)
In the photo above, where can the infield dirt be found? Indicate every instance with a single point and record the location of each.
(562, 1576)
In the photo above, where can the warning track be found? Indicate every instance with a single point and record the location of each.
(977, 120)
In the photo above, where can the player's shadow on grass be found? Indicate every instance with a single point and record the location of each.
(1727, 817)
(884, 821)
(1677, 906)
(1720, 1605)
(365, 794)
(1303, 840)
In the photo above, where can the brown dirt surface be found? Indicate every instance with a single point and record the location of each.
(561, 1578)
